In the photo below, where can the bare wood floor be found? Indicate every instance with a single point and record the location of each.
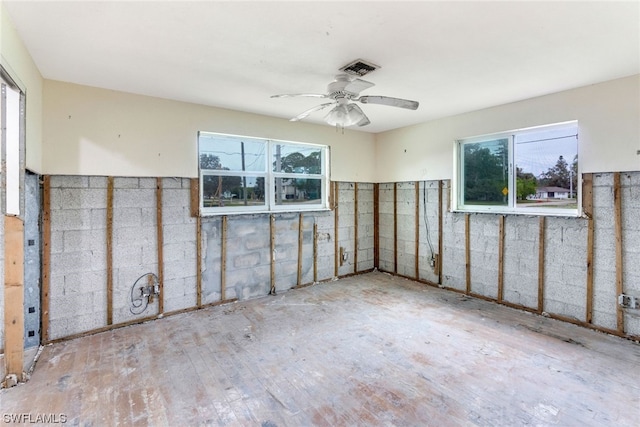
(367, 350)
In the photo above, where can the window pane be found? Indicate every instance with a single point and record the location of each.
(298, 191)
(547, 168)
(224, 152)
(486, 172)
(291, 158)
(228, 191)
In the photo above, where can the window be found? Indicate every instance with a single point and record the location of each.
(529, 171)
(246, 174)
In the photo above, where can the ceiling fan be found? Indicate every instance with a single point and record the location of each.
(343, 92)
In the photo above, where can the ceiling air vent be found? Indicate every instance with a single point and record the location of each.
(359, 68)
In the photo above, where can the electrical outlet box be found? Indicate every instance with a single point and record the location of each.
(628, 301)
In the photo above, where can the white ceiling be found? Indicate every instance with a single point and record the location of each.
(452, 56)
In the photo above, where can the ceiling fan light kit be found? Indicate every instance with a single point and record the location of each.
(344, 91)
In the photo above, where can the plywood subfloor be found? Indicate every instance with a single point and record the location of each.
(367, 350)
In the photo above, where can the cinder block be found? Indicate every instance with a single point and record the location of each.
(148, 183)
(134, 198)
(70, 219)
(126, 182)
(98, 218)
(631, 219)
(602, 197)
(127, 217)
(170, 183)
(98, 182)
(135, 236)
(176, 197)
(603, 180)
(179, 233)
(69, 181)
(81, 240)
(71, 262)
(84, 282)
(127, 256)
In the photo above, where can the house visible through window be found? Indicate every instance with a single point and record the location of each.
(246, 174)
(526, 171)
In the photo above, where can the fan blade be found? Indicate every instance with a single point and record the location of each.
(364, 120)
(311, 110)
(386, 100)
(358, 85)
(291, 95)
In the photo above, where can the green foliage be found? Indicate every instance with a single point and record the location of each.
(556, 176)
(209, 161)
(485, 172)
(526, 184)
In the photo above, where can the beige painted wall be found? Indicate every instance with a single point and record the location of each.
(15, 58)
(91, 131)
(609, 131)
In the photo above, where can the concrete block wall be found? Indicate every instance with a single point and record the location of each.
(520, 261)
(604, 255)
(428, 230)
(453, 245)
(483, 248)
(406, 223)
(565, 245)
(248, 256)
(135, 243)
(366, 242)
(386, 233)
(346, 226)
(179, 245)
(78, 284)
(211, 259)
(630, 193)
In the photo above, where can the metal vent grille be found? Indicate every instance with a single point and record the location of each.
(359, 68)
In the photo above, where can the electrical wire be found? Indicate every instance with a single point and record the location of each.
(136, 303)
(426, 220)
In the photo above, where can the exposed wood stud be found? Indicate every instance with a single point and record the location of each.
(315, 252)
(195, 196)
(223, 259)
(376, 225)
(336, 243)
(501, 258)
(46, 258)
(440, 237)
(272, 228)
(587, 207)
(300, 242)
(14, 295)
(355, 227)
(199, 261)
(395, 227)
(541, 257)
(109, 237)
(467, 252)
(417, 237)
(617, 201)
(160, 241)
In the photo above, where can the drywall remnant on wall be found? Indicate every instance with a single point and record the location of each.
(31, 261)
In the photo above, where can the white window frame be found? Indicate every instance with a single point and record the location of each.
(270, 180)
(457, 183)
